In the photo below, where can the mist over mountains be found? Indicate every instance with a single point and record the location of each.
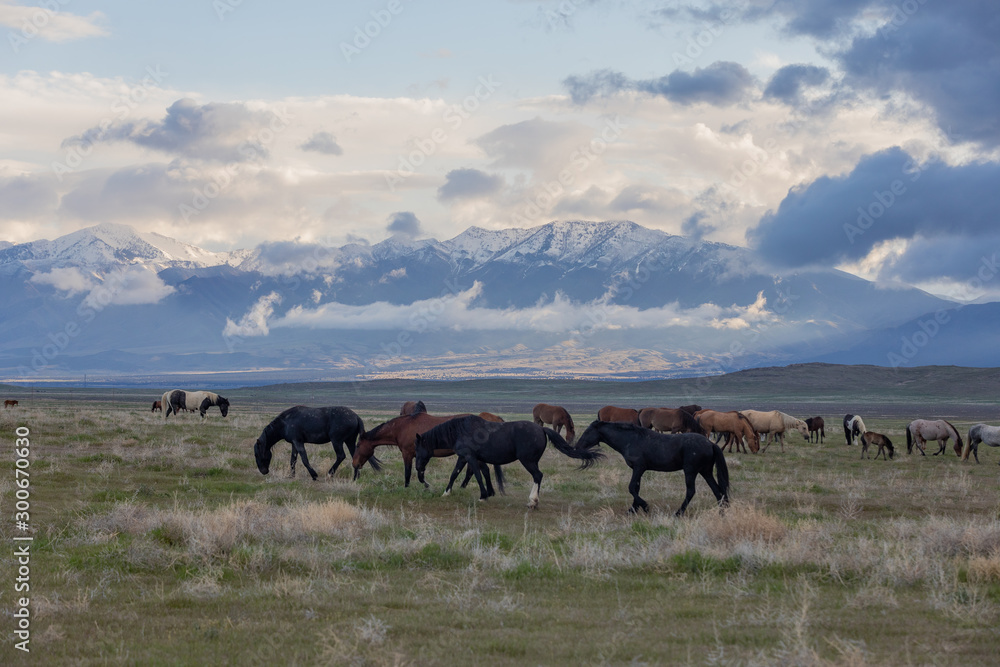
(565, 299)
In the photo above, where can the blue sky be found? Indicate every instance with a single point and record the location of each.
(763, 123)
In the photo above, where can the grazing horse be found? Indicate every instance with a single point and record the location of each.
(543, 414)
(490, 417)
(735, 425)
(981, 433)
(873, 438)
(178, 399)
(854, 427)
(669, 420)
(610, 413)
(412, 407)
(775, 423)
(477, 441)
(9, 403)
(691, 409)
(645, 450)
(919, 431)
(157, 405)
(400, 432)
(818, 426)
(299, 425)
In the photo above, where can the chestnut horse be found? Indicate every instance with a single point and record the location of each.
(669, 420)
(543, 414)
(157, 405)
(733, 424)
(610, 413)
(412, 406)
(9, 403)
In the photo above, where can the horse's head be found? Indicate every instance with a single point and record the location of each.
(591, 436)
(363, 452)
(262, 453)
(888, 445)
(223, 406)
(803, 428)
(424, 452)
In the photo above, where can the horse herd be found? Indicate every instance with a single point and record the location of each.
(658, 439)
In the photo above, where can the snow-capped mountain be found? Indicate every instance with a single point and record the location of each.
(565, 298)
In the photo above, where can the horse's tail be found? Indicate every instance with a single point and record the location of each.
(958, 439)
(967, 449)
(909, 440)
(721, 472)
(588, 456)
(499, 475)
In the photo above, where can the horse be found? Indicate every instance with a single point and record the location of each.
(300, 425)
(400, 432)
(669, 420)
(610, 413)
(178, 399)
(691, 409)
(818, 426)
(478, 441)
(873, 438)
(735, 425)
(919, 431)
(558, 416)
(157, 405)
(775, 423)
(854, 427)
(981, 433)
(411, 407)
(645, 450)
(9, 403)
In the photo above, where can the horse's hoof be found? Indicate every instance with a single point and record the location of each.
(426, 485)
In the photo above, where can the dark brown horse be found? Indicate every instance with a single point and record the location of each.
(411, 407)
(610, 413)
(733, 424)
(399, 432)
(543, 414)
(669, 420)
(691, 409)
(157, 405)
(817, 426)
(9, 403)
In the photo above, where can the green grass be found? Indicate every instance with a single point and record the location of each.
(168, 534)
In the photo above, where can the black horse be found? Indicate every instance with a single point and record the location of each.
(299, 425)
(645, 450)
(477, 441)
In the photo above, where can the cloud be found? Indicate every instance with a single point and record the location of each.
(323, 142)
(560, 315)
(54, 26)
(404, 223)
(254, 321)
(721, 84)
(131, 287)
(288, 258)
(534, 143)
(787, 83)
(226, 132)
(469, 184)
(27, 196)
(65, 279)
(887, 196)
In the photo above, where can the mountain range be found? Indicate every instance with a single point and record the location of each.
(565, 299)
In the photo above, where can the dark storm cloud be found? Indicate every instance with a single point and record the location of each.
(721, 84)
(787, 83)
(469, 184)
(228, 132)
(404, 223)
(887, 196)
(323, 142)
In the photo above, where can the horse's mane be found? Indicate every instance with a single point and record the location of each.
(789, 420)
(958, 436)
(418, 408)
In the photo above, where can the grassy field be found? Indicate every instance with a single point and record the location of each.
(161, 543)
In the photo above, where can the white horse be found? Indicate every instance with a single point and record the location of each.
(176, 400)
(919, 431)
(981, 433)
(775, 423)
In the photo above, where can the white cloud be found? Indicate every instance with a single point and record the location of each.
(68, 279)
(254, 322)
(30, 21)
(133, 287)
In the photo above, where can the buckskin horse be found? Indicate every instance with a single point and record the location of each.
(558, 416)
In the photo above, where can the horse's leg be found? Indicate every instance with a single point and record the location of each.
(338, 448)
(781, 436)
(690, 475)
(941, 445)
(474, 466)
(407, 468)
(459, 464)
(706, 473)
(536, 477)
(633, 488)
(301, 447)
(295, 457)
